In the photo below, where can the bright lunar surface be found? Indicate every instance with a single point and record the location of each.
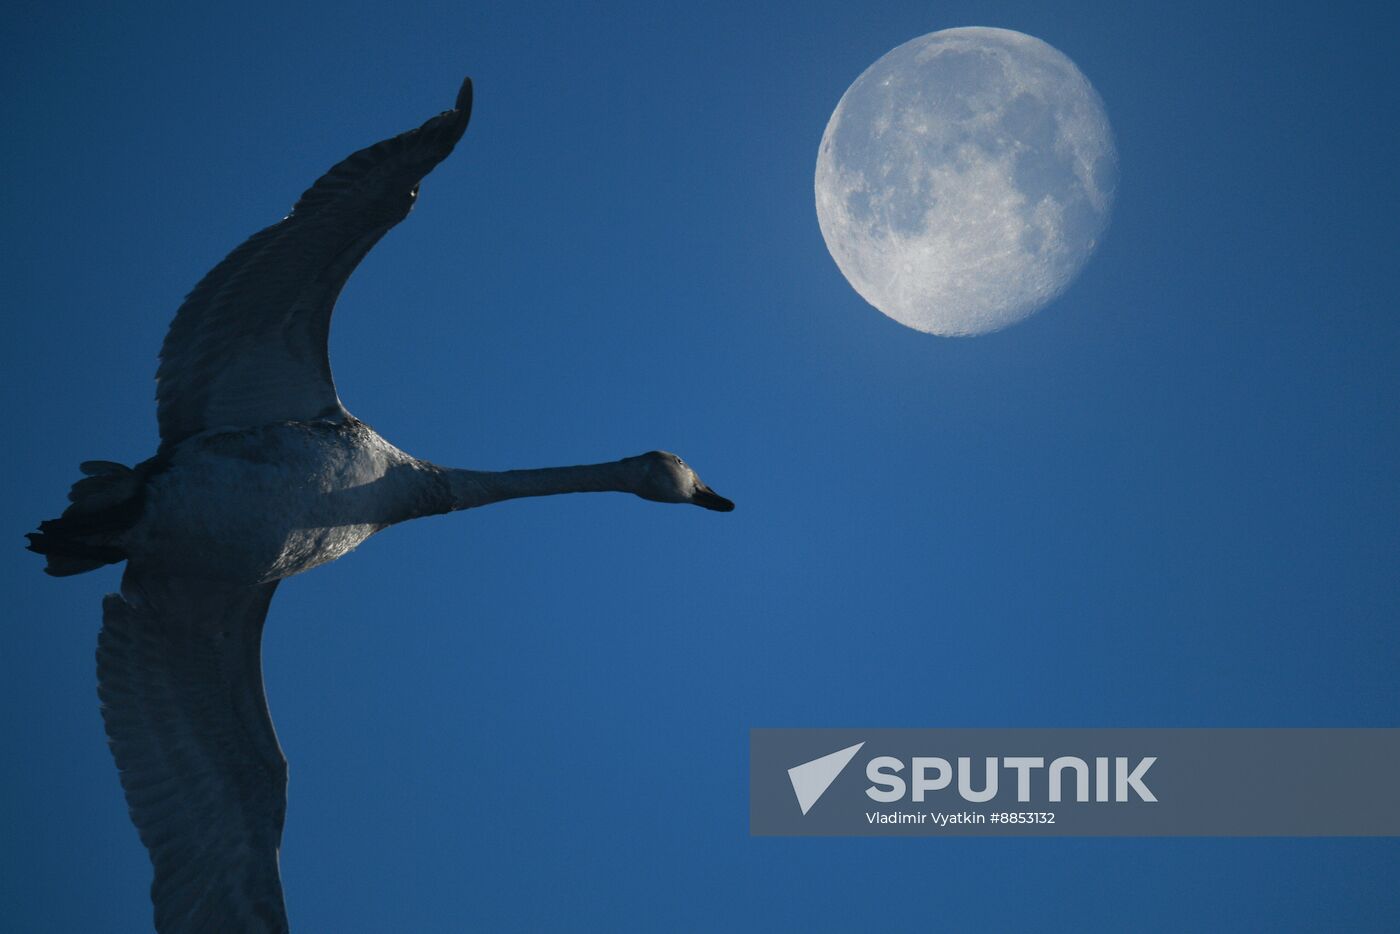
(965, 178)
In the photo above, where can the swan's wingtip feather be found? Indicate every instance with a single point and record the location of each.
(464, 97)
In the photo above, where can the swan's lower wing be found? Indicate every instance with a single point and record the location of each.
(179, 672)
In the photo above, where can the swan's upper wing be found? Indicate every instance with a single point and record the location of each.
(248, 346)
(179, 673)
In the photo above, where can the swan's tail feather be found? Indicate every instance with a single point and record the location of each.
(104, 504)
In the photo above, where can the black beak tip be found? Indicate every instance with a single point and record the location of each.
(711, 500)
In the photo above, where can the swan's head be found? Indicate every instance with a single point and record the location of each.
(665, 478)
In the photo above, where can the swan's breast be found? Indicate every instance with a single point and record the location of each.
(264, 503)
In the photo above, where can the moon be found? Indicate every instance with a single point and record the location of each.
(965, 178)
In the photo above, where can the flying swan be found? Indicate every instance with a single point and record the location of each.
(261, 473)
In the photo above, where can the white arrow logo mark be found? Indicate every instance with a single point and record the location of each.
(810, 780)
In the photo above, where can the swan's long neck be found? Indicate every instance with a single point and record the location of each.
(471, 488)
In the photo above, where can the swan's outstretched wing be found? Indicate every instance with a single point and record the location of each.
(248, 346)
(179, 673)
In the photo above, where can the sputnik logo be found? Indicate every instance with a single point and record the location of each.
(810, 780)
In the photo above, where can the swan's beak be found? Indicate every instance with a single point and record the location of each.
(704, 496)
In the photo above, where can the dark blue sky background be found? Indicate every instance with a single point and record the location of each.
(1169, 499)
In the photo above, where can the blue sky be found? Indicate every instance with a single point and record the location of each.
(1169, 499)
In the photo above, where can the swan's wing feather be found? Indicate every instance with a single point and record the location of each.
(179, 673)
(248, 346)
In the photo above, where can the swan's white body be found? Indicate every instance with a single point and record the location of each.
(197, 519)
(261, 475)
